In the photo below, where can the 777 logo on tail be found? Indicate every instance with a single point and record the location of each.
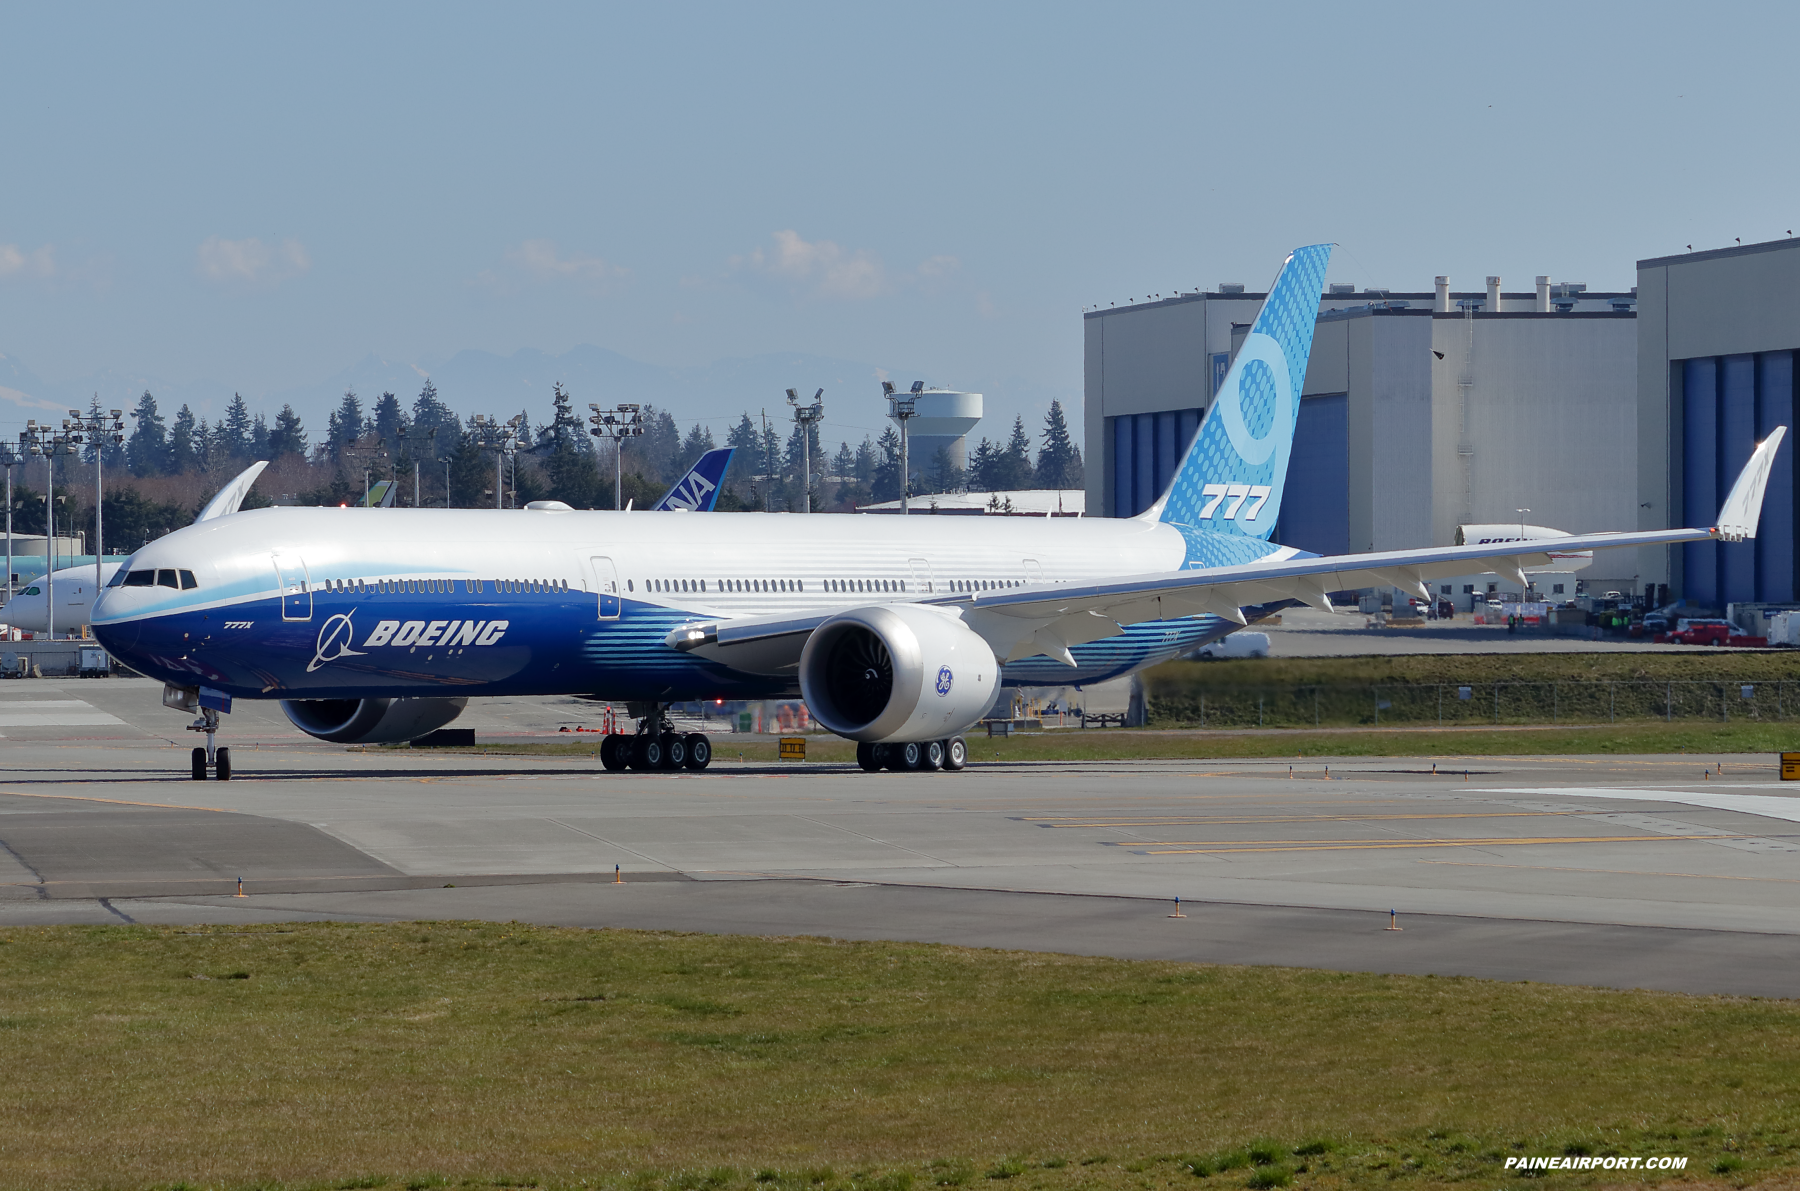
(1236, 494)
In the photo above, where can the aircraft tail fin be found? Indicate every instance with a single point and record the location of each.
(1231, 480)
(698, 491)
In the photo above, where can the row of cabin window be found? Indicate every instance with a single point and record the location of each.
(866, 586)
(444, 586)
(984, 584)
(679, 586)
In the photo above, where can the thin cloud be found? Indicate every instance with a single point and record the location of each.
(818, 265)
(251, 261)
(16, 262)
(541, 262)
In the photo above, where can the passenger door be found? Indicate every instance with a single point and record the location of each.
(606, 585)
(296, 593)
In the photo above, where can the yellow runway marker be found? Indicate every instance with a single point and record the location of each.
(1323, 818)
(164, 806)
(1208, 847)
(1620, 872)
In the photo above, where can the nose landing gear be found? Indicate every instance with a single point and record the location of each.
(216, 759)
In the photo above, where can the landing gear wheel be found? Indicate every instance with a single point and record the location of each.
(956, 754)
(614, 751)
(223, 768)
(883, 756)
(865, 757)
(932, 757)
(199, 765)
(674, 750)
(910, 756)
(699, 751)
(647, 752)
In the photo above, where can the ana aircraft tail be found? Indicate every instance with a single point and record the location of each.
(1231, 480)
(698, 491)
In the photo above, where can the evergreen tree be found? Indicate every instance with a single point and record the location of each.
(865, 462)
(1009, 469)
(769, 464)
(743, 436)
(93, 448)
(238, 439)
(147, 453)
(184, 452)
(1059, 461)
(289, 436)
(886, 480)
(565, 459)
(944, 475)
(471, 475)
(388, 419)
(981, 467)
(698, 442)
(345, 424)
(259, 439)
(430, 414)
(657, 452)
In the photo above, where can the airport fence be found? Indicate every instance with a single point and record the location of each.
(1453, 704)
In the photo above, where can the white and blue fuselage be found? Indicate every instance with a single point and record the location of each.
(349, 603)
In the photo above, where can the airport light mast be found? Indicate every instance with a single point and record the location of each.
(502, 438)
(48, 442)
(617, 424)
(99, 431)
(9, 459)
(807, 416)
(902, 410)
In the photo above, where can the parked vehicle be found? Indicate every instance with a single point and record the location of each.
(1237, 645)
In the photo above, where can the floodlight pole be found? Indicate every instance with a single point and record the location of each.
(807, 416)
(617, 424)
(8, 457)
(902, 410)
(100, 430)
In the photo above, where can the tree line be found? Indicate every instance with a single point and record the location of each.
(167, 468)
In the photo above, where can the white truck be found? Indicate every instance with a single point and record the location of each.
(1236, 645)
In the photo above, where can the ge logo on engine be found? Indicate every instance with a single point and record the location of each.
(944, 680)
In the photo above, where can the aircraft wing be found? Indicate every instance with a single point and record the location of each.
(1050, 618)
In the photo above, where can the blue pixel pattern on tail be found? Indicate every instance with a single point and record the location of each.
(1231, 481)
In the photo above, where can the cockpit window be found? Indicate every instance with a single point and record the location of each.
(118, 578)
(141, 579)
(188, 582)
(33, 591)
(168, 578)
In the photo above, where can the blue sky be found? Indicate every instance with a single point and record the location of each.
(256, 197)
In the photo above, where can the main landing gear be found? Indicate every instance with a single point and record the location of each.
(657, 744)
(216, 759)
(915, 756)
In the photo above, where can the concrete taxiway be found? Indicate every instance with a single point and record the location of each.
(1637, 871)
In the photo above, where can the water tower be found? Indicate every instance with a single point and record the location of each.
(941, 420)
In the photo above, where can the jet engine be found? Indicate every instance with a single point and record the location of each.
(371, 721)
(897, 672)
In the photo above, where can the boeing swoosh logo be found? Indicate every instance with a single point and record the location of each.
(335, 638)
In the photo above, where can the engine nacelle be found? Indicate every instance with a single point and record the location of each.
(897, 672)
(371, 721)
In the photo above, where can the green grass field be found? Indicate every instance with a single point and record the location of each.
(476, 1055)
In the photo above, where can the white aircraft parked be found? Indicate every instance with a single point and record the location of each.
(375, 626)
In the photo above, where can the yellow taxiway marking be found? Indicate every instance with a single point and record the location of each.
(1182, 822)
(1210, 847)
(1621, 872)
(166, 806)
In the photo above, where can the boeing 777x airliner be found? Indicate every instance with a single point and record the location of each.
(374, 625)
